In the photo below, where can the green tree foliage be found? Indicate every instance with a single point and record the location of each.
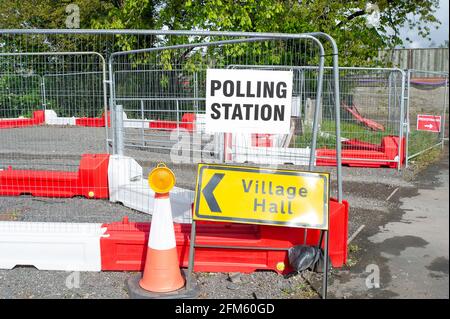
(344, 20)
(49, 14)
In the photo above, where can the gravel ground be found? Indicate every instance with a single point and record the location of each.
(80, 210)
(365, 189)
(28, 283)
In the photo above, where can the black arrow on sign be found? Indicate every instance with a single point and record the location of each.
(208, 192)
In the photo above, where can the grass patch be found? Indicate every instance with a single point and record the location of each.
(351, 262)
(304, 291)
(353, 248)
(421, 140)
(10, 215)
(421, 161)
(349, 129)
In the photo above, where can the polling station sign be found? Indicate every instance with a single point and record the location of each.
(262, 196)
(248, 101)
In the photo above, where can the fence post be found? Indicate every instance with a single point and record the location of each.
(312, 157)
(195, 93)
(402, 121)
(142, 123)
(178, 118)
(443, 119)
(407, 90)
(43, 94)
(389, 96)
(119, 129)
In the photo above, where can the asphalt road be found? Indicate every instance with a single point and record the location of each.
(409, 250)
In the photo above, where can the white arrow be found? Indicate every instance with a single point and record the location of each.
(429, 125)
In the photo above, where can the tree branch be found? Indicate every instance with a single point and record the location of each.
(352, 16)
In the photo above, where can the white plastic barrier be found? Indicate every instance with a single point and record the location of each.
(128, 186)
(51, 246)
(51, 118)
(127, 123)
(243, 151)
(271, 155)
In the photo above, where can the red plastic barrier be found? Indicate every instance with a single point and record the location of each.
(365, 121)
(37, 119)
(124, 247)
(90, 181)
(390, 148)
(163, 125)
(262, 140)
(360, 145)
(94, 121)
(388, 151)
(187, 123)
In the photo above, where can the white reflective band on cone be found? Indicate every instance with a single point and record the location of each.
(51, 246)
(162, 233)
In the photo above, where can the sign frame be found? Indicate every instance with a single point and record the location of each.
(323, 238)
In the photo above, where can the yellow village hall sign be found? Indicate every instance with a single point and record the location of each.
(262, 196)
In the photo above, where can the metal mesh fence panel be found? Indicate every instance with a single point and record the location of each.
(162, 93)
(39, 116)
(372, 105)
(79, 94)
(159, 96)
(152, 102)
(371, 108)
(48, 136)
(427, 111)
(14, 103)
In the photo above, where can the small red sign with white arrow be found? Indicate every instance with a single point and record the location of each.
(431, 123)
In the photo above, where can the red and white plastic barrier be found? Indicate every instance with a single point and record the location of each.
(243, 149)
(51, 246)
(99, 176)
(271, 149)
(361, 154)
(37, 119)
(265, 149)
(125, 246)
(51, 118)
(121, 246)
(91, 180)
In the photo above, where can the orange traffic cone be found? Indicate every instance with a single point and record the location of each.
(162, 271)
(162, 276)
